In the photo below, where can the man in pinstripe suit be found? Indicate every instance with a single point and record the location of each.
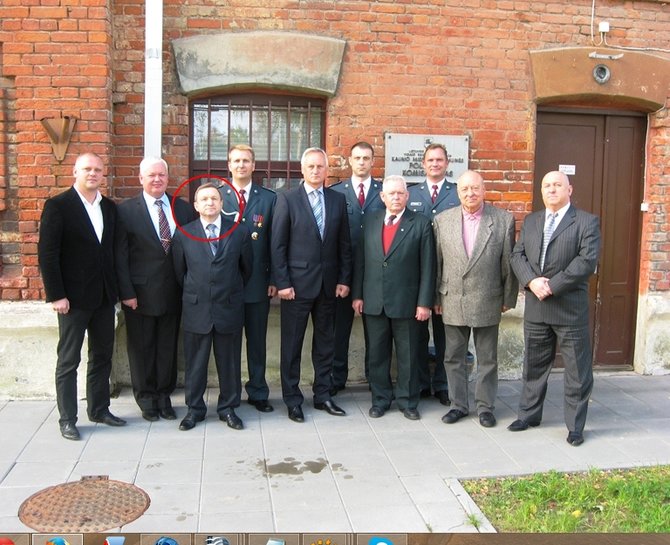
(555, 255)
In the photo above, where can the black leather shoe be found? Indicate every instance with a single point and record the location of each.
(453, 416)
(189, 421)
(575, 438)
(376, 412)
(295, 414)
(69, 431)
(443, 396)
(150, 415)
(330, 408)
(425, 392)
(261, 405)
(487, 419)
(167, 413)
(411, 414)
(522, 425)
(232, 420)
(109, 419)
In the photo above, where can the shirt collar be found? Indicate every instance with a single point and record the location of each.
(477, 214)
(151, 201)
(96, 201)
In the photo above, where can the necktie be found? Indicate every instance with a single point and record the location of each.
(163, 227)
(361, 195)
(243, 201)
(390, 221)
(434, 195)
(317, 209)
(213, 242)
(548, 231)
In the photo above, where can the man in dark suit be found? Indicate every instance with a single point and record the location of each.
(311, 261)
(555, 255)
(475, 285)
(429, 198)
(148, 288)
(212, 261)
(362, 194)
(256, 204)
(394, 285)
(76, 258)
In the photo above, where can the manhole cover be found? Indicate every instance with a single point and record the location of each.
(90, 505)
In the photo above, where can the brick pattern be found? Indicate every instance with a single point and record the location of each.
(436, 66)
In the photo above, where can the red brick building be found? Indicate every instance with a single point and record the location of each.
(533, 85)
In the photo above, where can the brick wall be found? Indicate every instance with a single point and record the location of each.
(436, 66)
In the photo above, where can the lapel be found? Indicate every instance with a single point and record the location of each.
(373, 193)
(568, 219)
(483, 235)
(78, 209)
(253, 201)
(304, 199)
(145, 219)
(453, 226)
(406, 224)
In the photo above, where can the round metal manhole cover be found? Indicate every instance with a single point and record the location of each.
(89, 505)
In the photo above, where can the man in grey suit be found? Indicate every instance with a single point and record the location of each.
(475, 285)
(555, 255)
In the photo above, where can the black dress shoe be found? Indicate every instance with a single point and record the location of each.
(261, 405)
(522, 425)
(575, 438)
(189, 421)
(109, 419)
(69, 431)
(167, 413)
(232, 420)
(376, 412)
(411, 414)
(330, 408)
(150, 415)
(453, 416)
(443, 396)
(487, 419)
(295, 414)
(425, 392)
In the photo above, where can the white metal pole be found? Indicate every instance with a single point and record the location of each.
(153, 78)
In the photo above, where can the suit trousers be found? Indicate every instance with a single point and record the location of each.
(152, 357)
(294, 316)
(438, 381)
(72, 327)
(344, 321)
(255, 331)
(227, 356)
(541, 340)
(404, 334)
(486, 346)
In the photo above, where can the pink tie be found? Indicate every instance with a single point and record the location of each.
(361, 195)
(434, 195)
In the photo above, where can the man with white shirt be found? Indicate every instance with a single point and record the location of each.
(76, 258)
(148, 289)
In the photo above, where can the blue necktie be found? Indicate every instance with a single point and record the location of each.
(548, 231)
(317, 208)
(213, 242)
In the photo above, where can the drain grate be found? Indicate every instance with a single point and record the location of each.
(93, 504)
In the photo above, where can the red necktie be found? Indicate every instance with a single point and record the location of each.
(243, 201)
(434, 195)
(361, 195)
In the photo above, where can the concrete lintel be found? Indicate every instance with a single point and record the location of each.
(259, 59)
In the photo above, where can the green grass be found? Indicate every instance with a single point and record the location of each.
(636, 500)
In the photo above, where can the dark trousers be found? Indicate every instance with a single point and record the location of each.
(344, 320)
(227, 356)
(72, 327)
(152, 356)
(255, 331)
(404, 334)
(436, 381)
(294, 316)
(540, 342)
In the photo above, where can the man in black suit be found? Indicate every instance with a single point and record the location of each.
(311, 261)
(394, 285)
(429, 198)
(76, 258)
(212, 261)
(256, 203)
(555, 255)
(148, 288)
(362, 194)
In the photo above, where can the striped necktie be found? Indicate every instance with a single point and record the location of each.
(317, 209)
(163, 227)
(211, 235)
(548, 231)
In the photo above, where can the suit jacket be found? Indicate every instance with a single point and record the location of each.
(472, 291)
(420, 199)
(74, 264)
(403, 279)
(355, 212)
(300, 259)
(257, 217)
(571, 258)
(143, 268)
(213, 285)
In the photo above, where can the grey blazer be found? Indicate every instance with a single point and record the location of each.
(473, 291)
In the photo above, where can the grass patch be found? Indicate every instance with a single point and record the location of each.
(636, 500)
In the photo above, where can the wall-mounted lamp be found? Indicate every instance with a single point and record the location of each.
(59, 130)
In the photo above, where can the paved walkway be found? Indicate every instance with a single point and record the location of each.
(330, 474)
